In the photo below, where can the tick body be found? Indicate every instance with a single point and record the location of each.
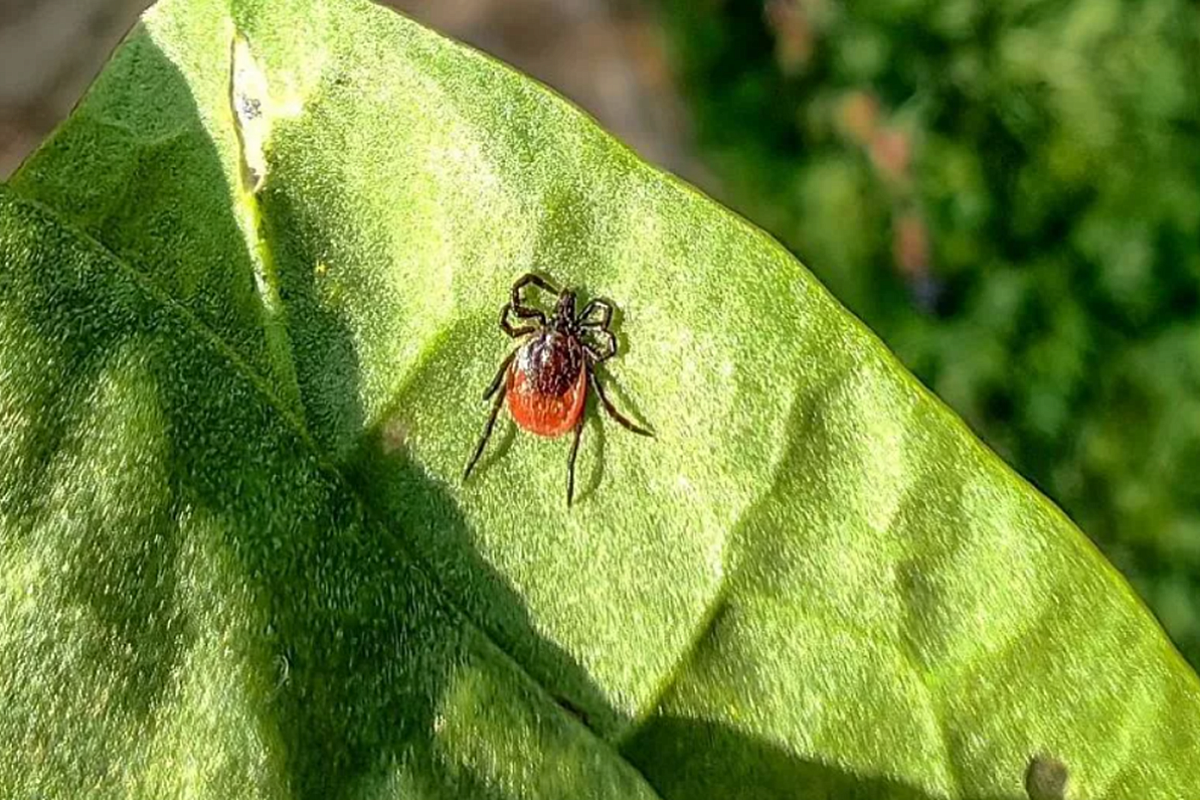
(547, 384)
(546, 379)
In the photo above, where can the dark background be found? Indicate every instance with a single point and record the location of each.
(1007, 191)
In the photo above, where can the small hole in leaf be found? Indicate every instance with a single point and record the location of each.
(1046, 779)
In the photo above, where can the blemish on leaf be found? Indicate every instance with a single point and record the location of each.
(250, 98)
(249, 108)
(252, 110)
(1046, 778)
(283, 668)
(393, 435)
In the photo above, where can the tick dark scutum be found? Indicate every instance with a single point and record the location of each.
(546, 379)
(552, 360)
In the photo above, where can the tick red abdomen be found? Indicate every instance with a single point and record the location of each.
(547, 384)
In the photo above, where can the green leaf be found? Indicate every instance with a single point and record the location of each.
(248, 303)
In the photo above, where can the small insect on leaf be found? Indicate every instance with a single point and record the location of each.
(546, 379)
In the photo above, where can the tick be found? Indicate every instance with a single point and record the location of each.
(546, 378)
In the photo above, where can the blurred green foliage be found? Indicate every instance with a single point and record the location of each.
(1009, 193)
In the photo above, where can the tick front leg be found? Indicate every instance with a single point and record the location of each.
(507, 327)
(487, 432)
(571, 461)
(519, 308)
(612, 411)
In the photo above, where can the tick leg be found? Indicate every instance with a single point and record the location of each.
(610, 351)
(487, 432)
(507, 327)
(536, 280)
(495, 384)
(612, 412)
(605, 317)
(519, 308)
(525, 312)
(571, 461)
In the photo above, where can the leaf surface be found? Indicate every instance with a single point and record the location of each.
(247, 312)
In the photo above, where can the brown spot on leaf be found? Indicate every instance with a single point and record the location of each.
(1046, 779)
(393, 435)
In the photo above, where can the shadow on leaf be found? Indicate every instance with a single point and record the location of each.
(684, 758)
